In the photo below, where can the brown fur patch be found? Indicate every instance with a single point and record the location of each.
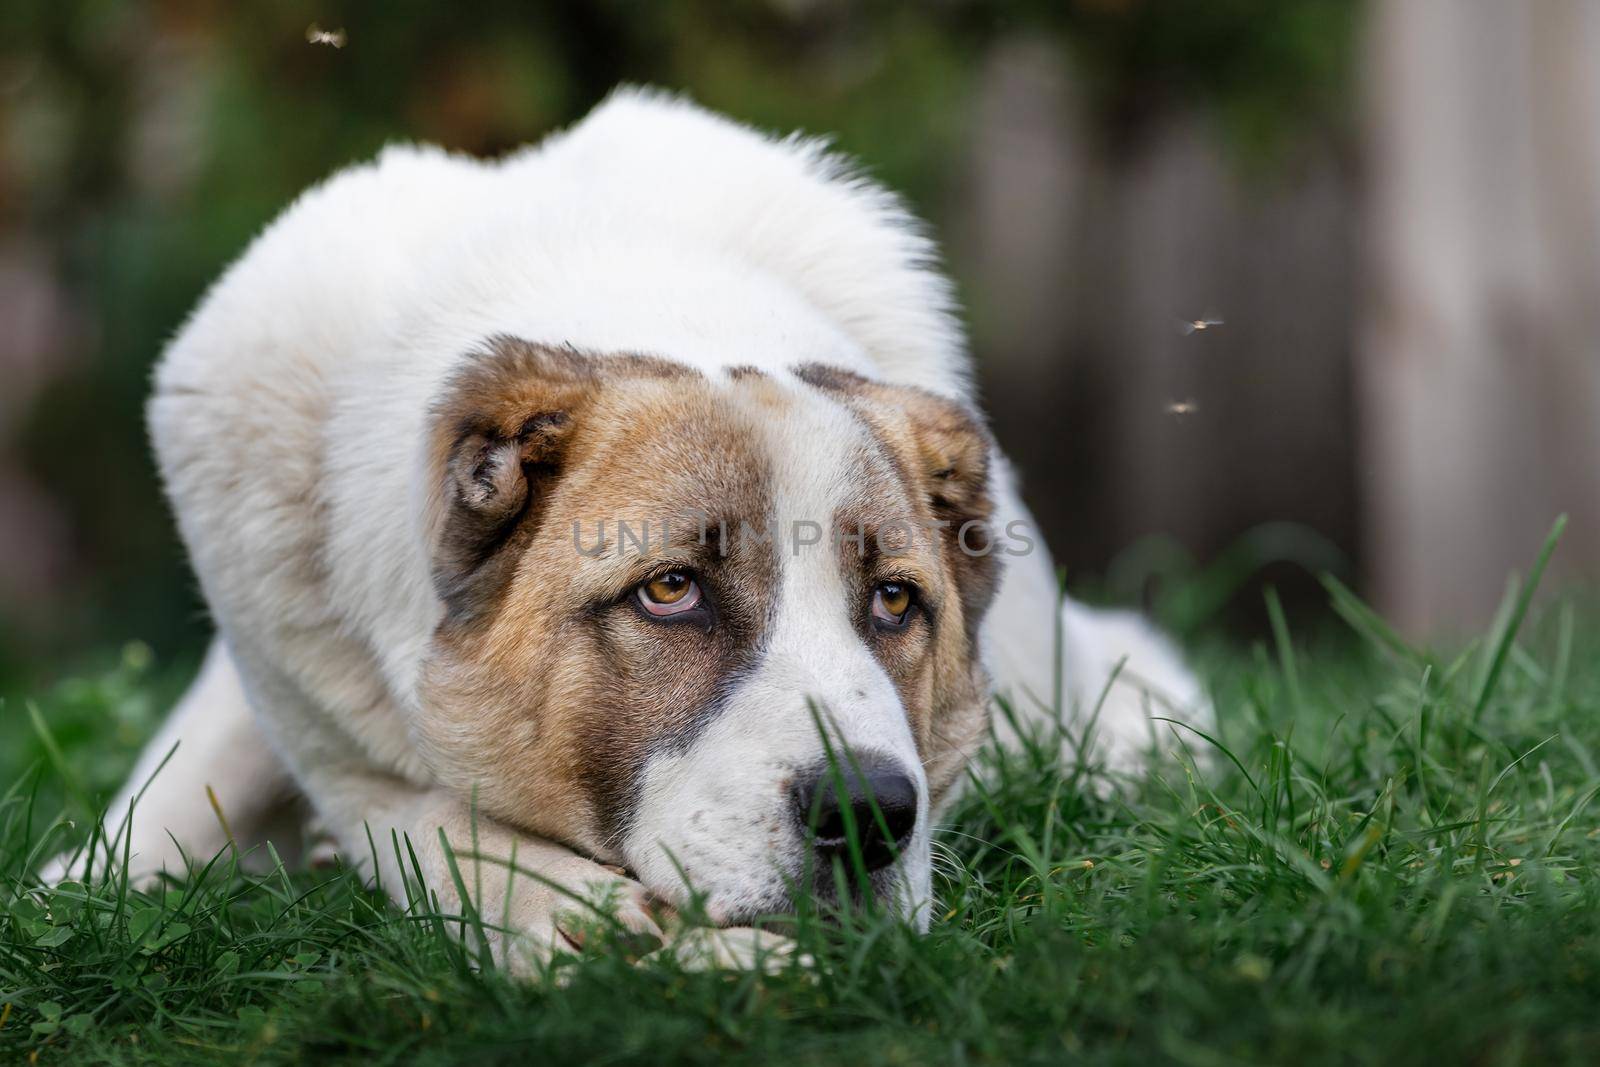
(499, 440)
(548, 688)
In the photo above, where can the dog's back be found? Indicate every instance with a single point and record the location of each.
(554, 239)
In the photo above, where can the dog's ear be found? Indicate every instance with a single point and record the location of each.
(952, 448)
(500, 435)
(942, 443)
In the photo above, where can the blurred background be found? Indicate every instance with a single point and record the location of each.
(1393, 206)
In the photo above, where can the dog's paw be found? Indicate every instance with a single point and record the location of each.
(1124, 675)
(733, 948)
(566, 908)
(64, 868)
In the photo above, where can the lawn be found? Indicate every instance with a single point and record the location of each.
(1386, 854)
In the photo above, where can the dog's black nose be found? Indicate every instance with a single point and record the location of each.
(866, 777)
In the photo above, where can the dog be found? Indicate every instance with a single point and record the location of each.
(614, 516)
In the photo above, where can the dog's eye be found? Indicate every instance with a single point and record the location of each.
(671, 593)
(891, 602)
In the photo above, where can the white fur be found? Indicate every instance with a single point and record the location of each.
(289, 420)
(714, 808)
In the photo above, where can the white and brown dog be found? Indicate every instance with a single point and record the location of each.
(571, 507)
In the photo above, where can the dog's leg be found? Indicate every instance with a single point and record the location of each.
(164, 813)
(532, 896)
(1111, 667)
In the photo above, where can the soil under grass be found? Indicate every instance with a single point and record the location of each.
(1384, 856)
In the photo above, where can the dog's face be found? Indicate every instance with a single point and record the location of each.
(668, 597)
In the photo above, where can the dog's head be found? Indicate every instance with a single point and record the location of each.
(688, 618)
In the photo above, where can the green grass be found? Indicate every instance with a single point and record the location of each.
(1385, 856)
